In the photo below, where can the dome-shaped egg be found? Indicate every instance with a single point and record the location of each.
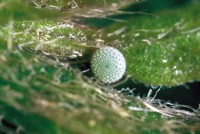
(108, 64)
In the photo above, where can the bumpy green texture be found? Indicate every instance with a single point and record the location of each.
(163, 48)
(55, 38)
(44, 90)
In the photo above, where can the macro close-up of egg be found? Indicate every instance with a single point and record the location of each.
(99, 67)
(108, 64)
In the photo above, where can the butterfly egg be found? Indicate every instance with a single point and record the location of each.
(108, 64)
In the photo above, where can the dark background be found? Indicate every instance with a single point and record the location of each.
(186, 94)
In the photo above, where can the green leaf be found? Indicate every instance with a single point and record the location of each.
(58, 39)
(162, 49)
(23, 10)
(21, 122)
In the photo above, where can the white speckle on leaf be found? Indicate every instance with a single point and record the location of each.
(108, 64)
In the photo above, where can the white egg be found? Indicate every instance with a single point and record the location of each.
(108, 64)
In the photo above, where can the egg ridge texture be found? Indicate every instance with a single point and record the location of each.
(108, 64)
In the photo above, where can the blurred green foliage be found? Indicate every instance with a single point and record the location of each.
(22, 10)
